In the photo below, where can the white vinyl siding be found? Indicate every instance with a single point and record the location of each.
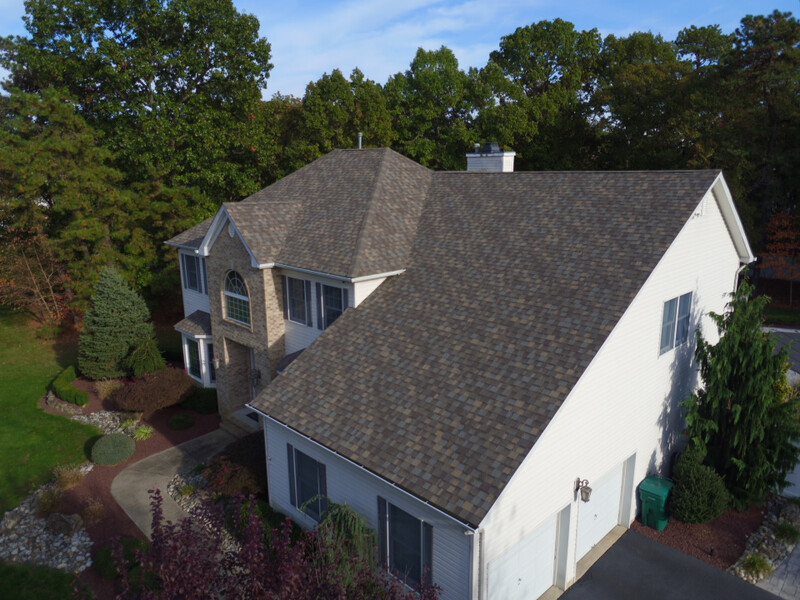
(360, 490)
(193, 300)
(298, 334)
(624, 408)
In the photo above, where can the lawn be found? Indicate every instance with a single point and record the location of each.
(32, 442)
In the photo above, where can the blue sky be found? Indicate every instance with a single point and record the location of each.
(381, 36)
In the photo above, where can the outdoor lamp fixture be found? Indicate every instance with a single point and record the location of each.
(216, 363)
(582, 486)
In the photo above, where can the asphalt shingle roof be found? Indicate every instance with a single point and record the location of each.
(191, 238)
(197, 323)
(350, 213)
(445, 377)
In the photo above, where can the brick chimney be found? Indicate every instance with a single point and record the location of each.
(490, 159)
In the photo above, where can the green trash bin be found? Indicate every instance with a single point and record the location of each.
(654, 492)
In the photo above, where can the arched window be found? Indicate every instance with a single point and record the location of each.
(237, 302)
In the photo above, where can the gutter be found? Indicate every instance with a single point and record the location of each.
(329, 275)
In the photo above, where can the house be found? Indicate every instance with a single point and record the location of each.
(477, 349)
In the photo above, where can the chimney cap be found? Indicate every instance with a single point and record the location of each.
(491, 148)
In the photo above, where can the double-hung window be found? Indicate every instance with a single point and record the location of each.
(194, 273)
(331, 303)
(675, 322)
(308, 489)
(406, 544)
(297, 300)
(237, 301)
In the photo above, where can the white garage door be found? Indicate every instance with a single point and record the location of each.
(525, 571)
(599, 516)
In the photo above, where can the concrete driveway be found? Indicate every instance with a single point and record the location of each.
(638, 568)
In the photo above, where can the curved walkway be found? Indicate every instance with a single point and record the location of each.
(130, 487)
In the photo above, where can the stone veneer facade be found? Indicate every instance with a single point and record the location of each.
(233, 341)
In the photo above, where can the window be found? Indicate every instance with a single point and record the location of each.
(308, 490)
(331, 302)
(194, 273)
(212, 372)
(297, 300)
(675, 322)
(237, 302)
(406, 544)
(194, 358)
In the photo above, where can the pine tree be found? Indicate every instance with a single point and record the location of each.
(745, 417)
(116, 324)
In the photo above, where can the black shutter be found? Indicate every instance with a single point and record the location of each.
(319, 306)
(427, 552)
(382, 531)
(292, 494)
(285, 285)
(345, 302)
(205, 276)
(309, 320)
(184, 274)
(323, 489)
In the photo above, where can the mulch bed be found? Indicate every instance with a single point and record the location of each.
(719, 543)
(97, 484)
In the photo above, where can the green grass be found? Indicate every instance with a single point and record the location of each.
(782, 315)
(32, 442)
(26, 582)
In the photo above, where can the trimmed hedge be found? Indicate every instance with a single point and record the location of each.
(699, 495)
(113, 449)
(63, 388)
(155, 391)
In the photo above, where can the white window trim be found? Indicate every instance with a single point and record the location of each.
(675, 324)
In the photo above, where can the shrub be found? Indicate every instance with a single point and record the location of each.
(49, 501)
(699, 494)
(786, 532)
(239, 468)
(757, 565)
(145, 357)
(63, 388)
(105, 563)
(180, 421)
(112, 449)
(142, 433)
(93, 511)
(187, 489)
(202, 400)
(156, 391)
(106, 387)
(186, 561)
(68, 477)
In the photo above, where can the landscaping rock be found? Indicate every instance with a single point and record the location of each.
(764, 542)
(25, 538)
(65, 525)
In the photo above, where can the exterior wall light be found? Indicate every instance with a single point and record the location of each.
(582, 486)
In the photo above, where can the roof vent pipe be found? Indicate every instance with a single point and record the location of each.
(360, 135)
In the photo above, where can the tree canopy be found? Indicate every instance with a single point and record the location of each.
(157, 107)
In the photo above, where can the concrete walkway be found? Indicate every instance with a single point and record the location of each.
(130, 487)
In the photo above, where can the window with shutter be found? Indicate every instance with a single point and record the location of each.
(406, 544)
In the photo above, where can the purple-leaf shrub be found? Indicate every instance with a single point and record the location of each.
(198, 558)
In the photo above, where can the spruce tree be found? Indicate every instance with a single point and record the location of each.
(745, 417)
(115, 325)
